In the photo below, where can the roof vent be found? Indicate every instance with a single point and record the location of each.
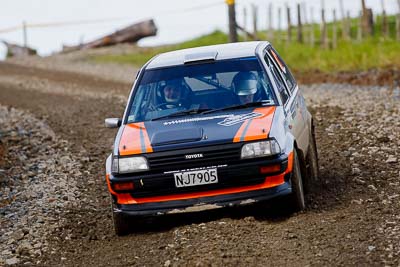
(200, 57)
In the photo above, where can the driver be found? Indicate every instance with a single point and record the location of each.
(174, 94)
(245, 87)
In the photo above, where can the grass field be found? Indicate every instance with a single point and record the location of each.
(372, 52)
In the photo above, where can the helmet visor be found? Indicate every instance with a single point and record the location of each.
(246, 87)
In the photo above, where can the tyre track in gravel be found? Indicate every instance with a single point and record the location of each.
(333, 231)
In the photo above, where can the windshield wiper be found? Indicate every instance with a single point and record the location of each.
(247, 105)
(182, 113)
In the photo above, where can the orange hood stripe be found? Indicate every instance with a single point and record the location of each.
(256, 128)
(134, 140)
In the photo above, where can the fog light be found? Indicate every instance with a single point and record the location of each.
(270, 169)
(123, 186)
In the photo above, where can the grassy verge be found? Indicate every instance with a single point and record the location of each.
(374, 52)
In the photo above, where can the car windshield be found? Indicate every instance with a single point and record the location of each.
(206, 87)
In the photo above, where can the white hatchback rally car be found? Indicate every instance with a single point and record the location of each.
(223, 125)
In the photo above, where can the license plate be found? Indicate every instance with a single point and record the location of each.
(192, 178)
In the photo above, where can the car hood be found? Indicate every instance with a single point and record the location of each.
(196, 130)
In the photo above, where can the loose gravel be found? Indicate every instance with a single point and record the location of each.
(38, 180)
(352, 218)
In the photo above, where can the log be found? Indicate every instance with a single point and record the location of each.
(130, 34)
(14, 50)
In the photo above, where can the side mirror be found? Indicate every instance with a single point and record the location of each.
(113, 122)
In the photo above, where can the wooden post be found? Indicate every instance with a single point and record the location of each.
(25, 35)
(270, 31)
(385, 28)
(348, 26)
(254, 9)
(306, 22)
(289, 27)
(324, 37)
(360, 26)
(232, 21)
(398, 27)
(367, 20)
(299, 25)
(334, 30)
(245, 22)
(279, 24)
(364, 25)
(343, 16)
(312, 33)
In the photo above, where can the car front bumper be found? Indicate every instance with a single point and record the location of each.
(204, 203)
(269, 186)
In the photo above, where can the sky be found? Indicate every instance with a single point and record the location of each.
(176, 20)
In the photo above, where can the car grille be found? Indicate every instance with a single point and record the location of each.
(212, 156)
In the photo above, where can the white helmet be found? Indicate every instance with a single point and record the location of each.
(244, 83)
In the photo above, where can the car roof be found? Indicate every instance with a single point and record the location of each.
(221, 51)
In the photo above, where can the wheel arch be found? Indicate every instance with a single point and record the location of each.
(302, 161)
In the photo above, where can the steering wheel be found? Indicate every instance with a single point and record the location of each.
(158, 107)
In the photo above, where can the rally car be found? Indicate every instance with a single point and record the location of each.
(211, 126)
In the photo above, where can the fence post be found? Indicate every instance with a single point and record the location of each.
(279, 24)
(348, 26)
(334, 30)
(385, 29)
(359, 27)
(254, 11)
(299, 25)
(306, 22)
(245, 23)
(343, 16)
(367, 20)
(398, 27)
(270, 27)
(25, 35)
(324, 41)
(232, 21)
(312, 28)
(289, 27)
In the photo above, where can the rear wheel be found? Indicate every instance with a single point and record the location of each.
(296, 199)
(121, 221)
(312, 161)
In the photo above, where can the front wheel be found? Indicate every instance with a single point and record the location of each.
(121, 221)
(296, 198)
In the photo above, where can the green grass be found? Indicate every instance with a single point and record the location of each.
(349, 56)
(144, 54)
(372, 52)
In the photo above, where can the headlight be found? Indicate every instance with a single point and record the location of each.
(260, 149)
(132, 164)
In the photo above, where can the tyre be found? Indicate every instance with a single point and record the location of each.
(312, 161)
(121, 221)
(296, 198)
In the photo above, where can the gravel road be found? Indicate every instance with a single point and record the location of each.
(54, 207)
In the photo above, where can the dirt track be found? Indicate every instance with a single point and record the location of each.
(352, 218)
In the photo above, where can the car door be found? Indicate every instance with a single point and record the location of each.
(294, 106)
